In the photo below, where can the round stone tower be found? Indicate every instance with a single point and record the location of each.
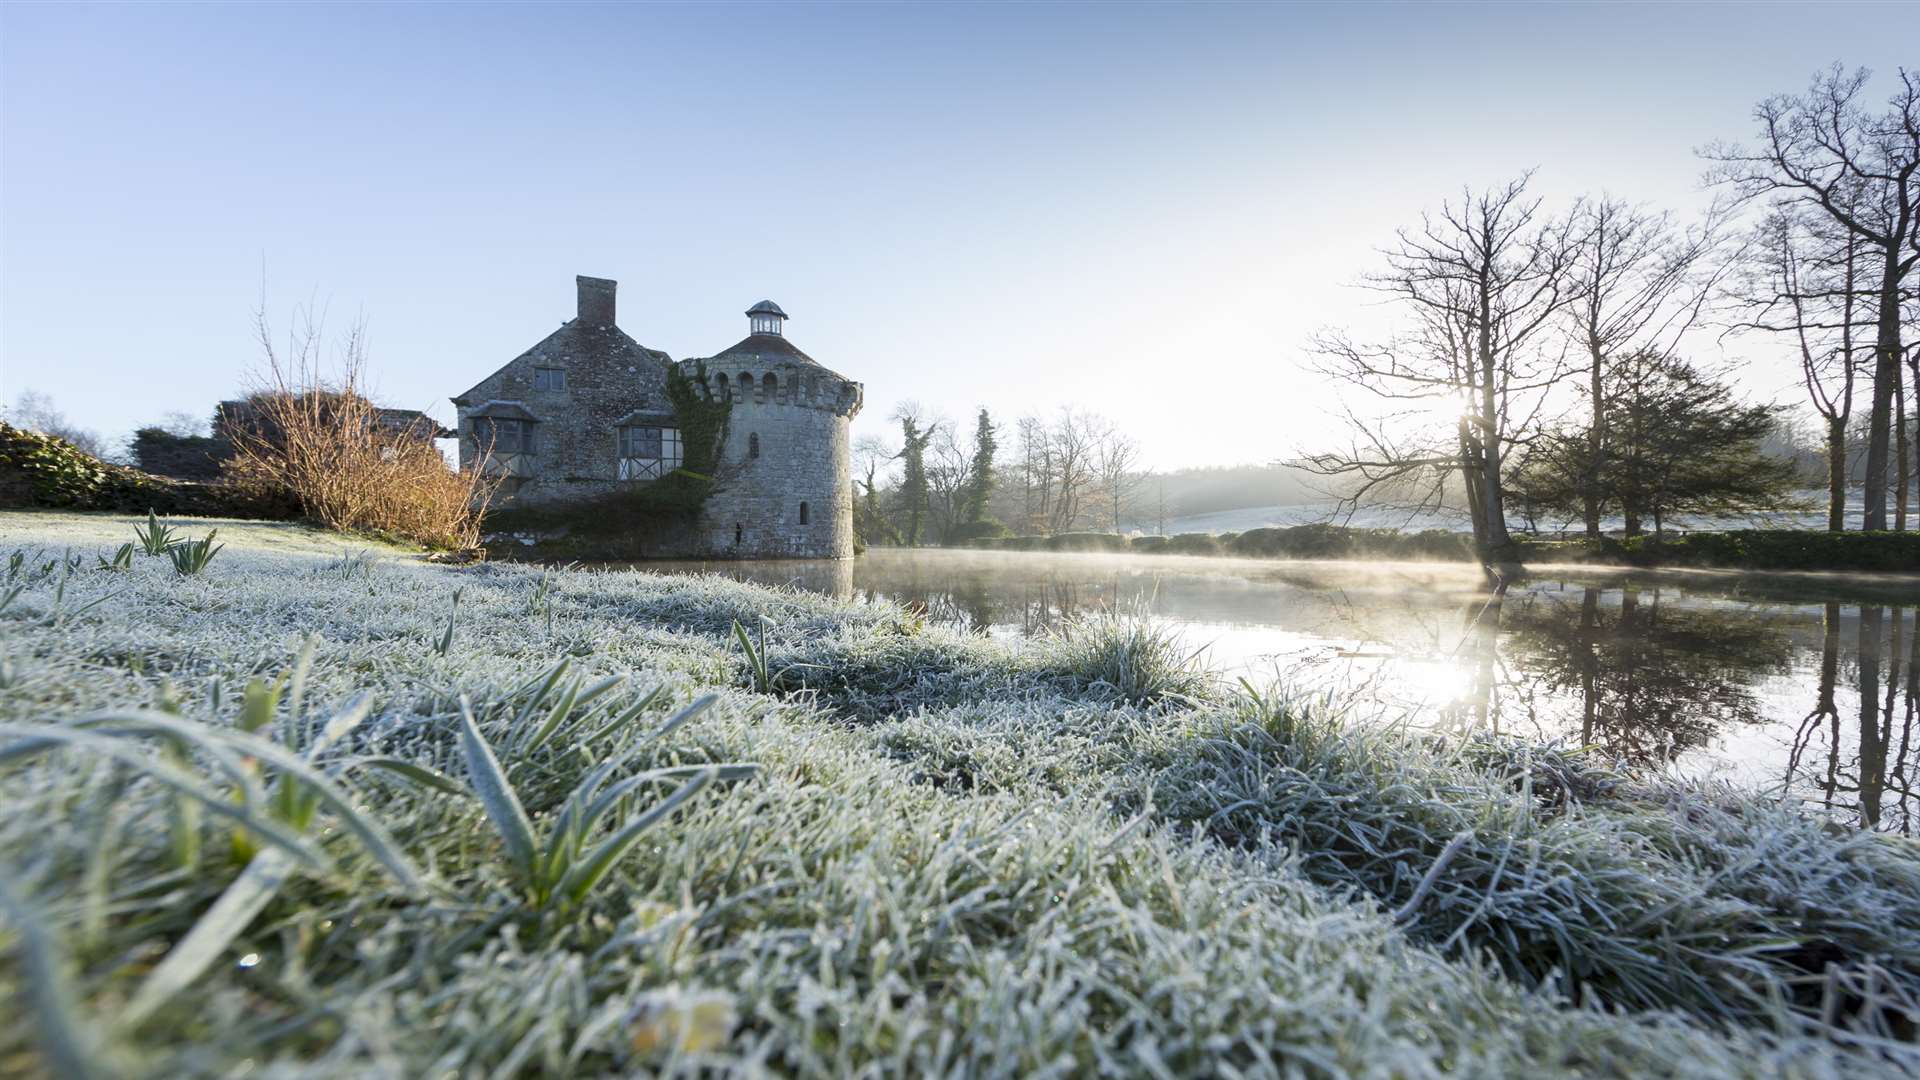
(784, 484)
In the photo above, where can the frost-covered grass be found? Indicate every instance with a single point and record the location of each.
(926, 852)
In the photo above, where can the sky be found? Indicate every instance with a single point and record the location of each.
(1138, 210)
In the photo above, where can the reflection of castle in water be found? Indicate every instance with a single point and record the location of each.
(1652, 670)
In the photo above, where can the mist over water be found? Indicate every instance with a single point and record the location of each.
(1808, 685)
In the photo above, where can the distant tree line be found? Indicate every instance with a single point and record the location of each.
(1542, 367)
(944, 482)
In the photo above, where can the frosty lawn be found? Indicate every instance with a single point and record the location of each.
(881, 848)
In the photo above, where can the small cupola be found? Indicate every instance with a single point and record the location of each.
(765, 317)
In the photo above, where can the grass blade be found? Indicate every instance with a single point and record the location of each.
(584, 876)
(176, 779)
(225, 920)
(63, 1033)
(489, 782)
(371, 834)
(416, 774)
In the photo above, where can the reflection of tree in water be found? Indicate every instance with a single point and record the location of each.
(1863, 769)
(1651, 680)
(967, 599)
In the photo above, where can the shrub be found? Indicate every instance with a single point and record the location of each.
(970, 532)
(322, 441)
(1106, 542)
(1193, 544)
(1147, 545)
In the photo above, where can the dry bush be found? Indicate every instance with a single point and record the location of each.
(317, 435)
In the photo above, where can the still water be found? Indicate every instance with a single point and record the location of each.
(1811, 686)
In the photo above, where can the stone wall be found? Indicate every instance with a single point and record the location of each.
(804, 458)
(576, 433)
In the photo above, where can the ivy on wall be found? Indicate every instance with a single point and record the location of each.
(703, 418)
(642, 511)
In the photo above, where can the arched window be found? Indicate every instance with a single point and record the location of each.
(771, 383)
(753, 445)
(803, 513)
(726, 391)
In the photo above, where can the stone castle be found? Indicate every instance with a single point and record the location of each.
(586, 412)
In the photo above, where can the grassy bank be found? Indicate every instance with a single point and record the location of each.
(1737, 549)
(331, 813)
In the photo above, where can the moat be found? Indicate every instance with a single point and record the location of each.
(1764, 682)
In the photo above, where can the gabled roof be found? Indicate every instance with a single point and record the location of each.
(593, 344)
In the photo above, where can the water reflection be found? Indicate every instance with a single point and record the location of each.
(1814, 688)
(1864, 769)
(1652, 680)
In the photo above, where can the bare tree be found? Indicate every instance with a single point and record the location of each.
(1829, 152)
(1480, 281)
(1803, 279)
(949, 465)
(1117, 459)
(1634, 284)
(35, 411)
(1073, 454)
(872, 455)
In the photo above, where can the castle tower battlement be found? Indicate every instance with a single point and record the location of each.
(784, 484)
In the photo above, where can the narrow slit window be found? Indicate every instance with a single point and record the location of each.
(753, 445)
(803, 513)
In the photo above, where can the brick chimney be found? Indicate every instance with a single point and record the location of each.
(596, 300)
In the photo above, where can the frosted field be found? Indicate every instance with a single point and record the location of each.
(501, 835)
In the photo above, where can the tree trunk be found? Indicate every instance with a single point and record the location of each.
(1596, 444)
(1470, 480)
(1500, 546)
(1901, 476)
(1836, 474)
(1633, 521)
(1886, 373)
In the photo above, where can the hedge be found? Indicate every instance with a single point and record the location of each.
(970, 532)
(47, 471)
(1777, 549)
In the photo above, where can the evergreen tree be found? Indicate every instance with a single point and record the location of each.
(913, 474)
(981, 484)
(1678, 442)
(1684, 444)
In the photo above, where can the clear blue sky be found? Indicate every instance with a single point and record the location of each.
(1141, 210)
